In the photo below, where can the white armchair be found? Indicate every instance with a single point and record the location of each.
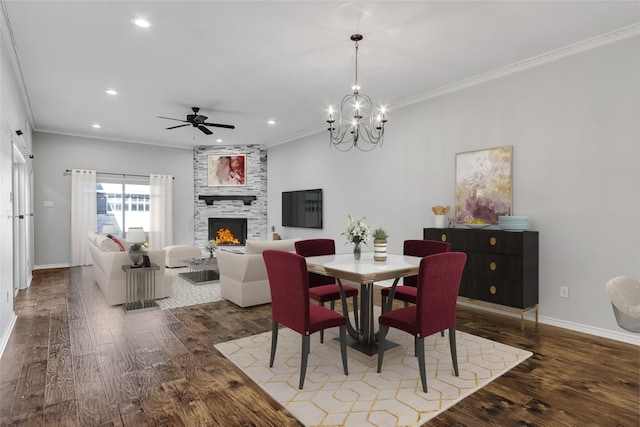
(243, 277)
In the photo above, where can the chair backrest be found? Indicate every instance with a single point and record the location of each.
(317, 247)
(422, 248)
(289, 284)
(438, 285)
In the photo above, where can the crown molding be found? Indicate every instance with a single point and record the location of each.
(572, 49)
(9, 42)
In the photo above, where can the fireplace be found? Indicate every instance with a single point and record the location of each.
(228, 231)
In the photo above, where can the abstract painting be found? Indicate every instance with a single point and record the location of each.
(484, 184)
(224, 171)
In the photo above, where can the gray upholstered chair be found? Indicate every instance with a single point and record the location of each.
(624, 293)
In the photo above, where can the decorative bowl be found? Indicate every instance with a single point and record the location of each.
(476, 225)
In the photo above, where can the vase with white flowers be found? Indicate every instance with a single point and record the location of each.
(211, 246)
(357, 232)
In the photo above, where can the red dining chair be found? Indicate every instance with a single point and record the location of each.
(324, 288)
(407, 291)
(290, 306)
(435, 310)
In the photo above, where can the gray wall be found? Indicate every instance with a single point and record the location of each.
(573, 124)
(56, 153)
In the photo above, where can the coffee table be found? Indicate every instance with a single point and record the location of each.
(201, 270)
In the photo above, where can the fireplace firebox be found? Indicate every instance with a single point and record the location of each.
(228, 231)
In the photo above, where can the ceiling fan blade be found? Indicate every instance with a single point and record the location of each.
(169, 118)
(205, 130)
(218, 125)
(179, 126)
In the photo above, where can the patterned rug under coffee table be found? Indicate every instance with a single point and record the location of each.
(364, 397)
(185, 293)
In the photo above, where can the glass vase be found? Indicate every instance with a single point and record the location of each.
(357, 251)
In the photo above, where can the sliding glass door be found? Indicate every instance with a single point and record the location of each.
(122, 205)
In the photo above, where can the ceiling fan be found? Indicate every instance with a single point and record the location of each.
(197, 121)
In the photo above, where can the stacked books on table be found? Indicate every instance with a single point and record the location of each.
(513, 223)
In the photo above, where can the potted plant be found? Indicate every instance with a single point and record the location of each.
(380, 244)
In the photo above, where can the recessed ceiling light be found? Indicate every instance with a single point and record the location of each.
(271, 122)
(141, 22)
(218, 140)
(111, 92)
(96, 126)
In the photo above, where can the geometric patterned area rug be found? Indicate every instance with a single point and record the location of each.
(185, 293)
(365, 398)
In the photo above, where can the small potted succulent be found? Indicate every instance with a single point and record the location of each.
(380, 244)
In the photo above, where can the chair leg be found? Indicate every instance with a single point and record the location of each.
(381, 337)
(416, 350)
(356, 313)
(454, 352)
(343, 348)
(274, 341)
(384, 304)
(423, 373)
(322, 330)
(306, 341)
(442, 333)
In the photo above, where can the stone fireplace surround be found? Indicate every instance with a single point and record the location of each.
(234, 201)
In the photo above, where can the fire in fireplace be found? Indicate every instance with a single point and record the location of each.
(228, 231)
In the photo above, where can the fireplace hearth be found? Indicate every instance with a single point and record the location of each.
(228, 231)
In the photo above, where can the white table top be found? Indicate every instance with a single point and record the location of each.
(365, 270)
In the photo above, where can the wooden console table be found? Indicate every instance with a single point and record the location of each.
(140, 290)
(501, 270)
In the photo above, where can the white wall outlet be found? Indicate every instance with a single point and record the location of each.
(564, 291)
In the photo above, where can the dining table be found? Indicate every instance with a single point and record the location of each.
(366, 271)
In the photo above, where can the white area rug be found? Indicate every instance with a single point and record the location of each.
(186, 293)
(365, 398)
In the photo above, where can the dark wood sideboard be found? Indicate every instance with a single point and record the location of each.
(501, 270)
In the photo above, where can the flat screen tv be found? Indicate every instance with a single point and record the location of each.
(302, 208)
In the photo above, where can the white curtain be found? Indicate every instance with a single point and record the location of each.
(161, 210)
(83, 214)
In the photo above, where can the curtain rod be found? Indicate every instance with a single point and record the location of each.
(124, 175)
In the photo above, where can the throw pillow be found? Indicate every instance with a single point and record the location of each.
(105, 244)
(118, 242)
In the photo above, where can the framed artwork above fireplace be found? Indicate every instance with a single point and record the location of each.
(226, 171)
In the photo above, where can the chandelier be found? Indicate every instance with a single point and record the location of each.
(357, 126)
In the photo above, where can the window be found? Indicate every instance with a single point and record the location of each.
(122, 205)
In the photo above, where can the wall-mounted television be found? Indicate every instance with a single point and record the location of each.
(302, 208)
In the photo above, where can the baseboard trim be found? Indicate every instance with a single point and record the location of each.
(7, 333)
(49, 266)
(628, 338)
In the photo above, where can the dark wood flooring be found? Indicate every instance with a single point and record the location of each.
(72, 360)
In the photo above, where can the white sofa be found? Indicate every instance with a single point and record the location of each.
(107, 269)
(243, 277)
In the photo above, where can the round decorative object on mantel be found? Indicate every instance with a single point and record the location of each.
(380, 249)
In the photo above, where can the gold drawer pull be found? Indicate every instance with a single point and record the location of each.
(493, 266)
(493, 241)
(443, 237)
(493, 290)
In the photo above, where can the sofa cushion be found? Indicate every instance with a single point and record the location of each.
(258, 246)
(105, 244)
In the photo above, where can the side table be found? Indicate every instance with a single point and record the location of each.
(140, 291)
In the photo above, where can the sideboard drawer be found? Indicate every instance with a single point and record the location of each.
(494, 266)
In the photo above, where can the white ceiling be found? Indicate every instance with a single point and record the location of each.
(245, 62)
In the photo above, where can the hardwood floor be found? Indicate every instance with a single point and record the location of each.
(72, 360)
